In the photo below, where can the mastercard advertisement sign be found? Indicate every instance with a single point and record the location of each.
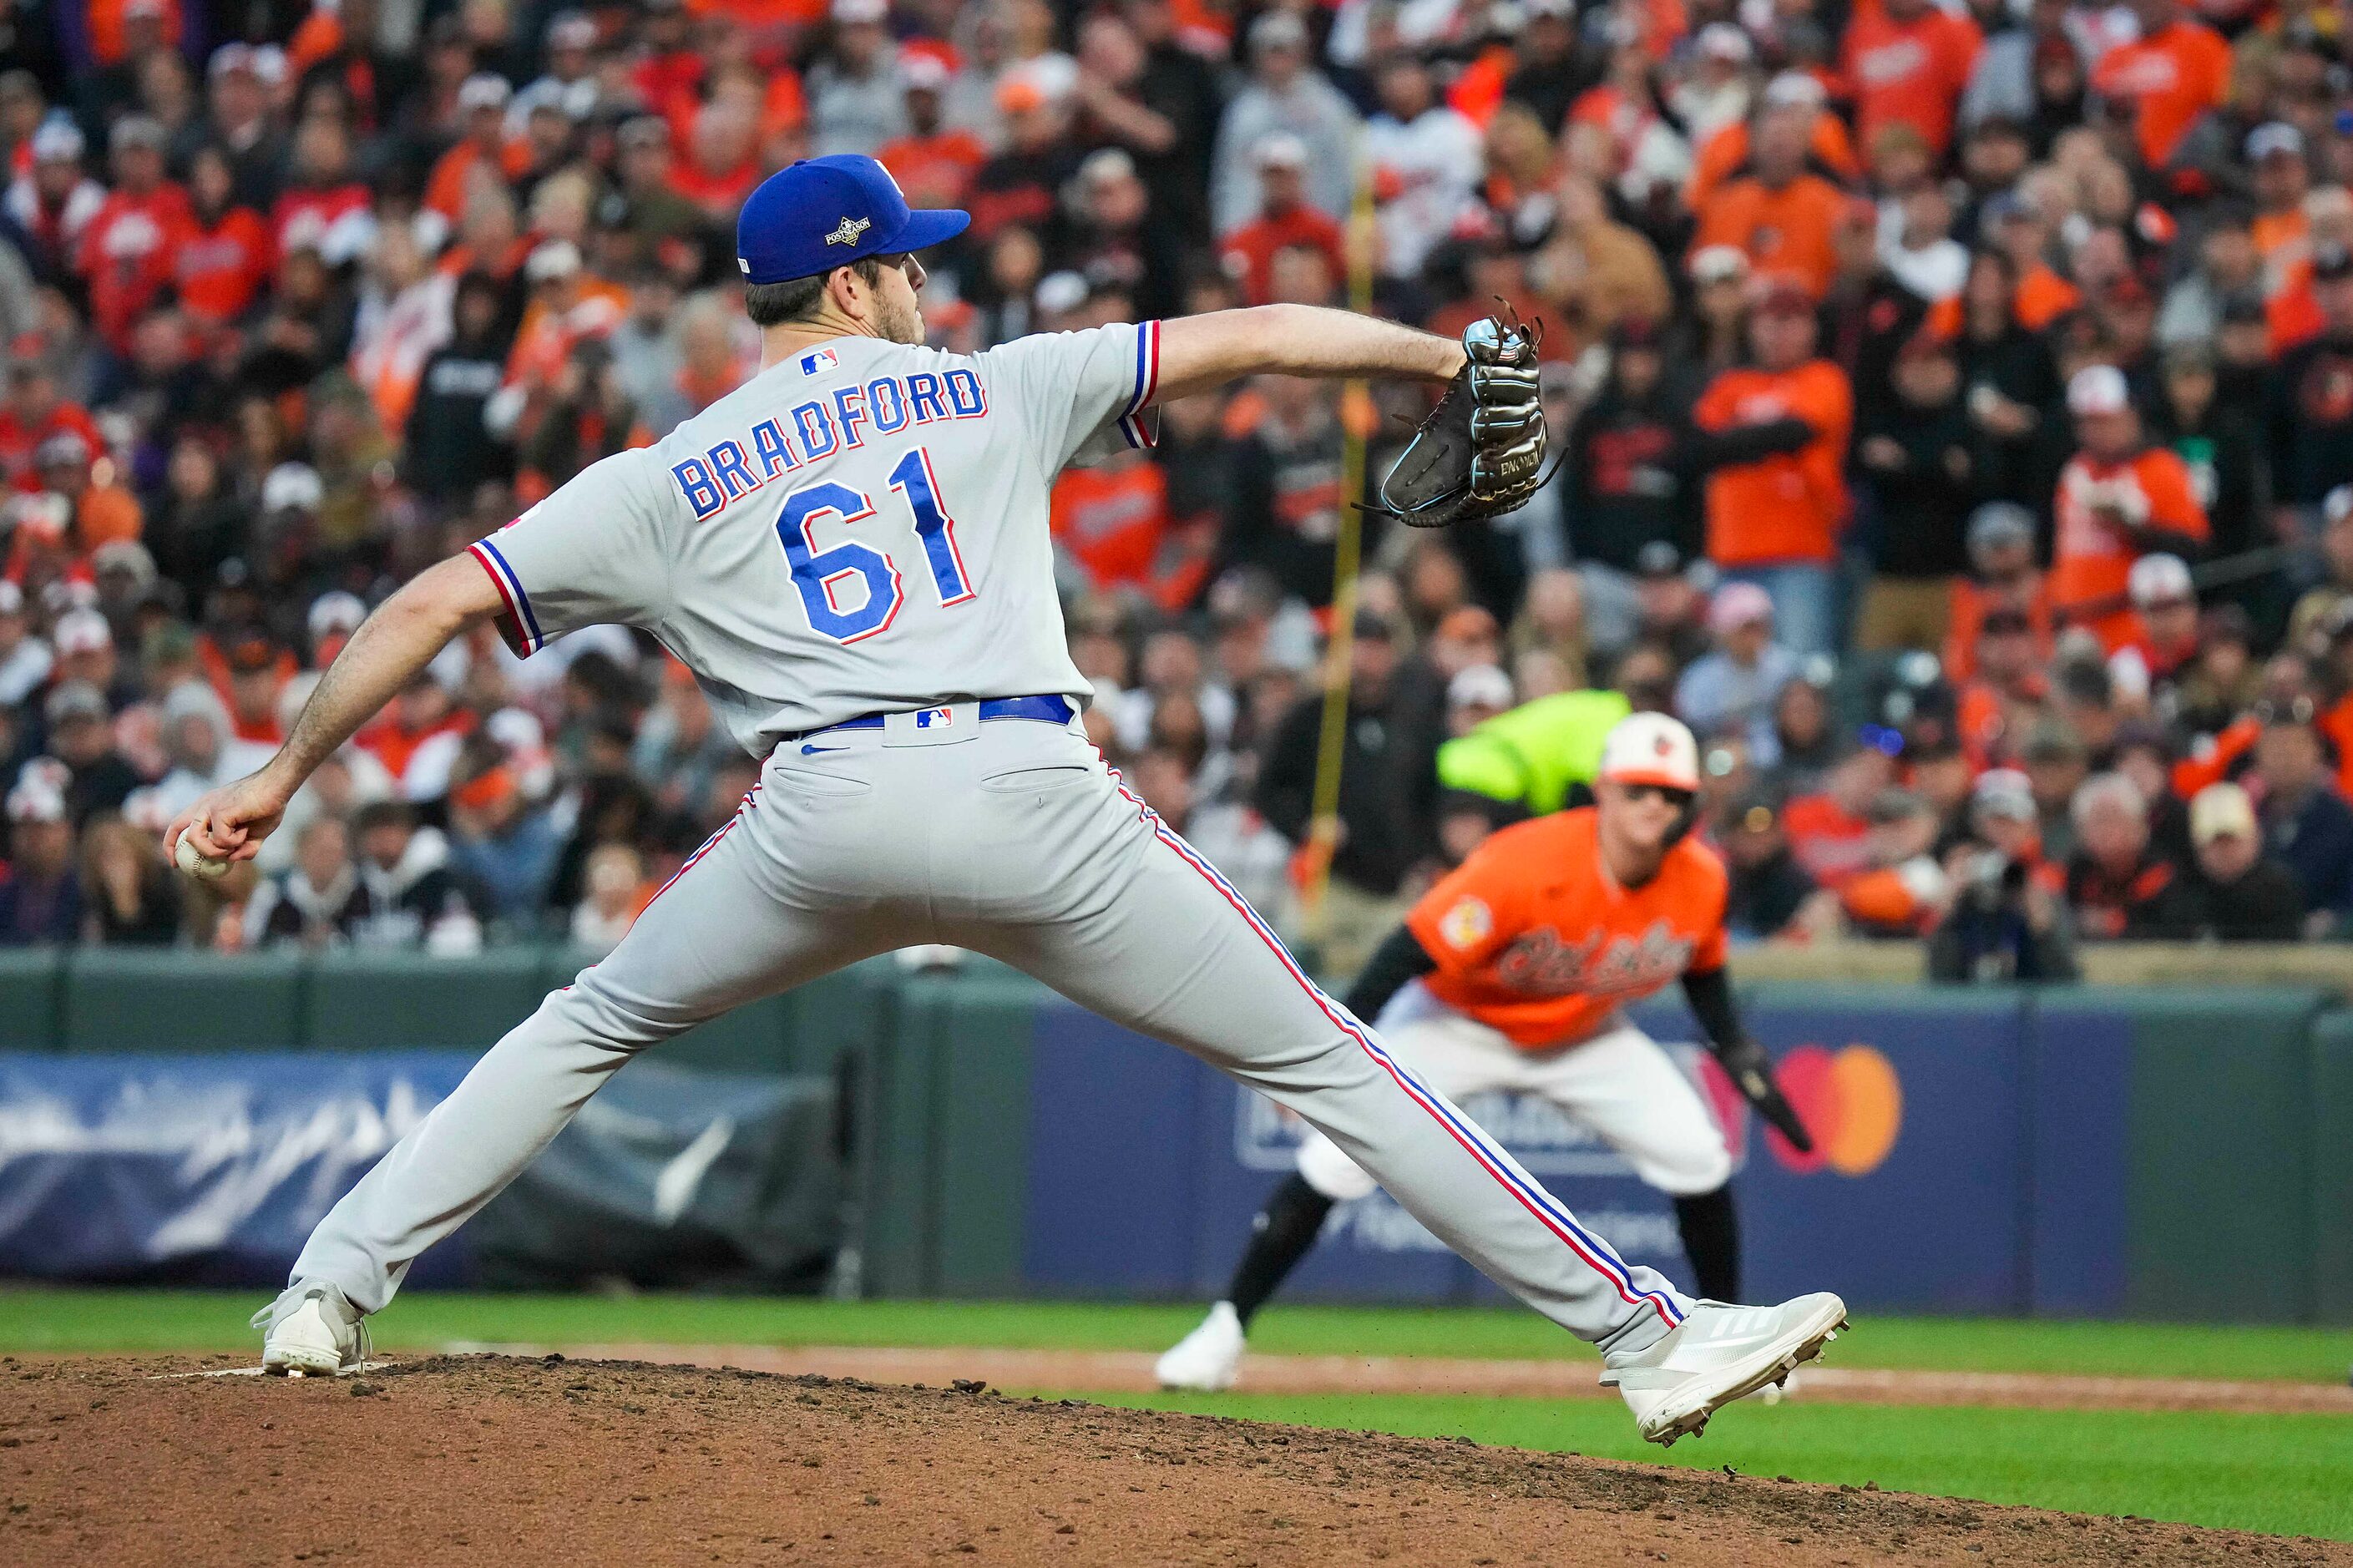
(1851, 1099)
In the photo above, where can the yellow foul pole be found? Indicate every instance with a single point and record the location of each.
(1356, 423)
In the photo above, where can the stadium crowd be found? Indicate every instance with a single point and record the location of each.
(1955, 404)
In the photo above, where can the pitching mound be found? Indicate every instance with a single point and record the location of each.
(515, 1461)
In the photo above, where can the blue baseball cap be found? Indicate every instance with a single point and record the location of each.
(824, 213)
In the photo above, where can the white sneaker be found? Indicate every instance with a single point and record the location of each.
(1717, 1354)
(1206, 1360)
(311, 1328)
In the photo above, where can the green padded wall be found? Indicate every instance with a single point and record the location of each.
(122, 999)
(2332, 1168)
(29, 980)
(394, 1001)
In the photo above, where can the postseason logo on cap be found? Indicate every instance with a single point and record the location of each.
(818, 213)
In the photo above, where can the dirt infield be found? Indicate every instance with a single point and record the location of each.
(509, 1461)
(1130, 1372)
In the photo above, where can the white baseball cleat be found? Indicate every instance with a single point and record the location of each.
(1206, 1360)
(1717, 1354)
(311, 1328)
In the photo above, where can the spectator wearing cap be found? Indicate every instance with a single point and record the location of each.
(2306, 825)
(238, 81)
(2234, 891)
(1713, 336)
(482, 144)
(1117, 242)
(1428, 160)
(2118, 885)
(932, 160)
(569, 83)
(126, 249)
(1022, 183)
(81, 734)
(84, 644)
(1378, 840)
(2318, 607)
(2002, 578)
(500, 840)
(855, 99)
(102, 511)
(2308, 426)
(1284, 92)
(52, 203)
(2004, 922)
(25, 659)
(1910, 61)
(1731, 691)
(1780, 215)
(2164, 636)
(41, 903)
(1768, 892)
(2118, 499)
(1625, 480)
(2282, 180)
(1776, 497)
(1715, 90)
(1285, 219)
(2164, 81)
(1913, 459)
(1829, 149)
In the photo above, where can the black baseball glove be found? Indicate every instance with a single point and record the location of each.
(1752, 1074)
(1480, 452)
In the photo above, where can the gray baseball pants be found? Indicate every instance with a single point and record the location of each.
(1014, 839)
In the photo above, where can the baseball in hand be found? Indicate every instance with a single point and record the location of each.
(196, 863)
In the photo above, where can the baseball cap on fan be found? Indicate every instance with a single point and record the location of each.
(818, 213)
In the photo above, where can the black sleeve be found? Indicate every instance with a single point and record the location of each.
(1745, 443)
(1399, 959)
(1709, 991)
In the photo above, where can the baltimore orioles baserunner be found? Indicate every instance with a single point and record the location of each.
(1512, 972)
(850, 554)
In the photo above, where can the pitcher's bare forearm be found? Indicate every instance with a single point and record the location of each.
(388, 649)
(391, 645)
(1198, 352)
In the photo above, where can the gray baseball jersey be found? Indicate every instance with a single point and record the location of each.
(860, 527)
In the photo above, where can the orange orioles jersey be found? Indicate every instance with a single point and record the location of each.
(1535, 938)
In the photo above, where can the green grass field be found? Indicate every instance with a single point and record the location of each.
(2290, 1474)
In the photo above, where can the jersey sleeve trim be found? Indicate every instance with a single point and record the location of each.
(1132, 426)
(517, 626)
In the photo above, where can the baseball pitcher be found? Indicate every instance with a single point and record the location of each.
(850, 554)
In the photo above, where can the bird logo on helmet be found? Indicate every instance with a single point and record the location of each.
(1656, 750)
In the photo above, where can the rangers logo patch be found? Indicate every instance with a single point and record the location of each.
(1468, 923)
(849, 230)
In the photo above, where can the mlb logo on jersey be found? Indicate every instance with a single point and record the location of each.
(816, 360)
(935, 718)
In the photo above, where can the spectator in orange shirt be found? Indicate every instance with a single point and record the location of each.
(933, 164)
(127, 247)
(1780, 215)
(224, 259)
(2282, 180)
(1829, 148)
(1776, 497)
(1909, 61)
(2002, 578)
(482, 109)
(103, 512)
(2119, 498)
(32, 413)
(1109, 518)
(1285, 219)
(2170, 77)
